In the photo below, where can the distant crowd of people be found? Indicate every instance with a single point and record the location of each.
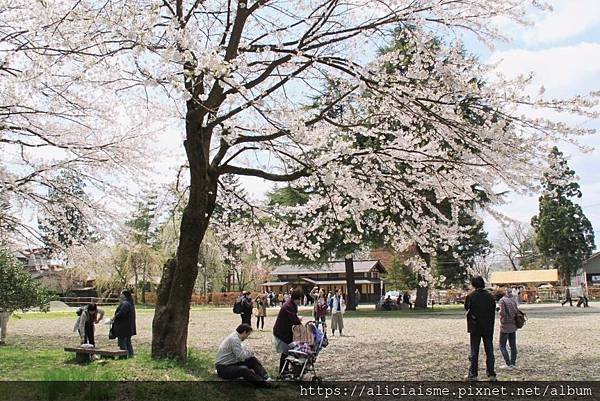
(391, 304)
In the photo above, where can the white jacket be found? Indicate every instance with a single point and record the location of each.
(334, 305)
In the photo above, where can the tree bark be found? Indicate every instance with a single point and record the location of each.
(171, 317)
(422, 292)
(350, 286)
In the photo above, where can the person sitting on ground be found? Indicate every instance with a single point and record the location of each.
(89, 315)
(387, 303)
(234, 359)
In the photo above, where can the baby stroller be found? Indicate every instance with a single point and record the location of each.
(309, 340)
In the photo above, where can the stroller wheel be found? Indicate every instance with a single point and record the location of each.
(316, 380)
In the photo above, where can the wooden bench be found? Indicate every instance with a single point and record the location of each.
(84, 355)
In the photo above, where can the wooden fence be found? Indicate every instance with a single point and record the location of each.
(81, 301)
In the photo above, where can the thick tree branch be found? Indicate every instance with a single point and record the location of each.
(263, 174)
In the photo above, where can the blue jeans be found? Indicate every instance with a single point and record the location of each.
(512, 342)
(489, 354)
(125, 344)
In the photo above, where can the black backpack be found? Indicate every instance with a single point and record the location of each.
(237, 307)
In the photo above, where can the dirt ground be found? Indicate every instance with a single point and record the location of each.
(557, 343)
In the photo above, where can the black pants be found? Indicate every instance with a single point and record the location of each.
(259, 320)
(582, 301)
(489, 354)
(88, 334)
(246, 318)
(569, 300)
(250, 369)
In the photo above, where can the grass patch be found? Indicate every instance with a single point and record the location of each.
(18, 363)
(55, 376)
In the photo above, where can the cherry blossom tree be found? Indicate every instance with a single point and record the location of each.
(237, 76)
(54, 120)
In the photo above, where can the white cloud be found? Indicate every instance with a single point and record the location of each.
(565, 70)
(569, 19)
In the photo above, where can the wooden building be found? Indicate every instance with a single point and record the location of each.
(330, 276)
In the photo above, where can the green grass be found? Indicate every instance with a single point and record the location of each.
(109, 312)
(55, 376)
(17, 363)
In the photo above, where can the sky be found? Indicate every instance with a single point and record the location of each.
(562, 50)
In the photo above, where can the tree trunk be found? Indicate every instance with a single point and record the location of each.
(171, 317)
(422, 295)
(422, 292)
(350, 302)
(144, 280)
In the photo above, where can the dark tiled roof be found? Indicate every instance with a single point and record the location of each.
(360, 266)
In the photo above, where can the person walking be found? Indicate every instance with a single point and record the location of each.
(261, 311)
(4, 316)
(583, 299)
(282, 330)
(567, 297)
(280, 298)
(234, 359)
(89, 316)
(123, 323)
(356, 298)
(508, 329)
(338, 307)
(481, 312)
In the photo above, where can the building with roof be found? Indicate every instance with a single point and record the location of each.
(591, 269)
(329, 276)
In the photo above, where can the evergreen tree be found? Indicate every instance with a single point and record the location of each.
(454, 262)
(563, 234)
(142, 255)
(18, 290)
(65, 224)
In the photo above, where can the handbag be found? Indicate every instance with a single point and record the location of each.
(111, 333)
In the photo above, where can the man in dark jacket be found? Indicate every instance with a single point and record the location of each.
(286, 318)
(246, 308)
(124, 322)
(481, 314)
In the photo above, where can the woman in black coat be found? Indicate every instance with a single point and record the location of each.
(124, 322)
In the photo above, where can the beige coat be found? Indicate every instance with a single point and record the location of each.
(261, 306)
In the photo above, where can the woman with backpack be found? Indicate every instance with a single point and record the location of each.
(508, 328)
(123, 323)
(87, 317)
